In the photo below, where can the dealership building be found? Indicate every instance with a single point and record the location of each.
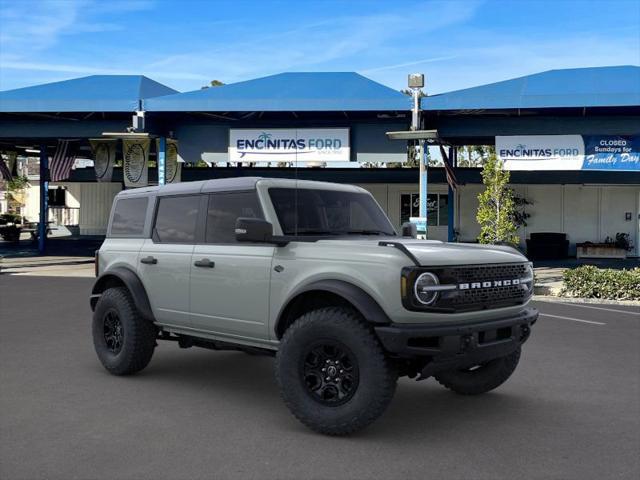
(571, 139)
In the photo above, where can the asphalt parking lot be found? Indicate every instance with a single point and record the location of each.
(571, 410)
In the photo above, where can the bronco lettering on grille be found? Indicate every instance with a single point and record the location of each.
(488, 284)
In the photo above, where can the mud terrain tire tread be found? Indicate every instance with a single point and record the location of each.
(139, 334)
(482, 380)
(377, 382)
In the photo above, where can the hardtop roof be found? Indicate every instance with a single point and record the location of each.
(231, 184)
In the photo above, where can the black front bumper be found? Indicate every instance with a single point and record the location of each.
(448, 347)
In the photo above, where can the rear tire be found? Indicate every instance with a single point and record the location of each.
(122, 338)
(357, 383)
(481, 379)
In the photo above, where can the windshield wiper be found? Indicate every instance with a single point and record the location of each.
(368, 232)
(317, 232)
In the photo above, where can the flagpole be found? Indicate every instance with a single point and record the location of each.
(44, 199)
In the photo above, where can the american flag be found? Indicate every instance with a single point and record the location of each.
(4, 170)
(62, 160)
(451, 175)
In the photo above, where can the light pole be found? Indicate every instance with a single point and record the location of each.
(416, 83)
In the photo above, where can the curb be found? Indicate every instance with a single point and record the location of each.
(546, 290)
(597, 301)
(7, 266)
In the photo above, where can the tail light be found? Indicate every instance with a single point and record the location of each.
(96, 263)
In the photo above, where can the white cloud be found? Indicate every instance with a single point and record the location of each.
(90, 70)
(408, 64)
(31, 27)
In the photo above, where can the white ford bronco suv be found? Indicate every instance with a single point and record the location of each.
(314, 274)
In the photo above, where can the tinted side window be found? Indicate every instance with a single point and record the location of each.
(128, 216)
(176, 219)
(224, 209)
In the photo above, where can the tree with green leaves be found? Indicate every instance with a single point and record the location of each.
(474, 155)
(497, 208)
(213, 83)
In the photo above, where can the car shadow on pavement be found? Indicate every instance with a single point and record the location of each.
(241, 381)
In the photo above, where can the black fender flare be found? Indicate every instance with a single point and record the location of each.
(130, 280)
(356, 296)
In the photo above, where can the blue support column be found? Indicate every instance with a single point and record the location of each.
(44, 199)
(453, 153)
(162, 160)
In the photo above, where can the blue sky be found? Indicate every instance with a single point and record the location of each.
(184, 44)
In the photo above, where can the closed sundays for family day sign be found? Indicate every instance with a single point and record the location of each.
(289, 145)
(569, 152)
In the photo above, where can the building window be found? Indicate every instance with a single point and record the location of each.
(437, 208)
(57, 197)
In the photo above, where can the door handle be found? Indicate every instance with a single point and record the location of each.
(205, 262)
(149, 260)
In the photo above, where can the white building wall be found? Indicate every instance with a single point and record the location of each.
(583, 212)
(580, 214)
(31, 208)
(615, 202)
(95, 205)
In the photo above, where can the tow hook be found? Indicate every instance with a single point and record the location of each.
(468, 342)
(524, 334)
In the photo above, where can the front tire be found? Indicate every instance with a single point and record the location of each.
(482, 378)
(332, 373)
(124, 341)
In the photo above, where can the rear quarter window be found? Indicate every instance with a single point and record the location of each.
(128, 217)
(176, 219)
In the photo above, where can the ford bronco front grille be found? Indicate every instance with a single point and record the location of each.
(495, 286)
(477, 287)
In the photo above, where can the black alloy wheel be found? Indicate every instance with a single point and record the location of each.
(123, 339)
(113, 331)
(330, 373)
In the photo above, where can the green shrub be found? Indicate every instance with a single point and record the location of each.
(588, 281)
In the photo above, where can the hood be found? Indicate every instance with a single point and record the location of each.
(436, 253)
(433, 253)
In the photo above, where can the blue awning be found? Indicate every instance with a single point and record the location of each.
(577, 87)
(96, 93)
(288, 92)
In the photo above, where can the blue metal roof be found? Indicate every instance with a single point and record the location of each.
(298, 92)
(96, 93)
(577, 87)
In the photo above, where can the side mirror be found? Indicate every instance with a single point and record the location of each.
(409, 230)
(253, 230)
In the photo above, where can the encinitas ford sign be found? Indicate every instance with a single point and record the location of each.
(569, 152)
(289, 145)
(541, 152)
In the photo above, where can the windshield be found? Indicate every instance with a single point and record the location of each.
(328, 212)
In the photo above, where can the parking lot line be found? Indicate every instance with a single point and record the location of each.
(571, 318)
(599, 308)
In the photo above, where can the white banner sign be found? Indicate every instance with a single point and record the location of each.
(136, 162)
(104, 157)
(173, 165)
(541, 152)
(289, 145)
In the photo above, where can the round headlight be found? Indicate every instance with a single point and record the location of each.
(422, 288)
(529, 277)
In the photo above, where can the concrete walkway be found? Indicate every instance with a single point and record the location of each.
(548, 280)
(48, 266)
